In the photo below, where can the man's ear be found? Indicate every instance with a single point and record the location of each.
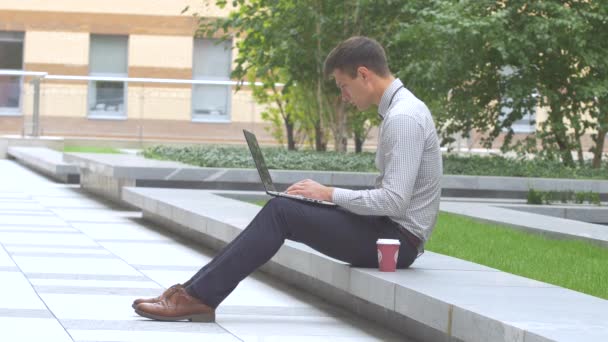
(364, 72)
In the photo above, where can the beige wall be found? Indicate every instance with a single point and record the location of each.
(159, 103)
(541, 115)
(67, 100)
(142, 7)
(244, 108)
(66, 48)
(160, 51)
(62, 99)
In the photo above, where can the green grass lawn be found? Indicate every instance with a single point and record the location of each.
(577, 265)
(90, 149)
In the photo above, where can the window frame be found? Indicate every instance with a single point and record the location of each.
(92, 83)
(15, 111)
(227, 118)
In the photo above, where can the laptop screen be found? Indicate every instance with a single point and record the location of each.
(258, 158)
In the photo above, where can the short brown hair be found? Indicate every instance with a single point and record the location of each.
(356, 52)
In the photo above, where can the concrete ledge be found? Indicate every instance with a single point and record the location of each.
(439, 299)
(7, 141)
(537, 223)
(515, 187)
(46, 161)
(142, 172)
(584, 213)
(106, 174)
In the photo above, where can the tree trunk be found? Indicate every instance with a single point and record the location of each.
(342, 144)
(579, 150)
(358, 144)
(320, 145)
(564, 149)
(291, 143)
(339, 126)
(602, 130)
(598, 150)
(559, 132)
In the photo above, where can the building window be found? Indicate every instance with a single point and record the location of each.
(11, 59)
(108, 57)
(527, 122)
(211, 62)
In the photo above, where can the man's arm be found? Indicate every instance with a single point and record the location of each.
(403, 141)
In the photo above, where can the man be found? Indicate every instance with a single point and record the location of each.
(403, 206)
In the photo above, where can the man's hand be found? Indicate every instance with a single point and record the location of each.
(312, 189)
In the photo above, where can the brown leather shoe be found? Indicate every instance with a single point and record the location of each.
(179, 306)
(167, 293)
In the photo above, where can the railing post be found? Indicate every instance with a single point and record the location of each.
(36, 110)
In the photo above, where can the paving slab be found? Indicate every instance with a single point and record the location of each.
(74, 275)
(20, 329)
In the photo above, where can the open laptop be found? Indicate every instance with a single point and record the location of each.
(258, 158)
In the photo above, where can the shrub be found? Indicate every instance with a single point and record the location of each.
(548, 197)
(279, 158)
(535, 197)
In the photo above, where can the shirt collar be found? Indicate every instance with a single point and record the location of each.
(386, 97)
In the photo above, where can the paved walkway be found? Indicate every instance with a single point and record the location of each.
(71, 265)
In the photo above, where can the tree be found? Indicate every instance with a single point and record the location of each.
(287, 41)
(483, 56)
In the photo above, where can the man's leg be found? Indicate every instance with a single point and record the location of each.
(217, 257)
(333, 231)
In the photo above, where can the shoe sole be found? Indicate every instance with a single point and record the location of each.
(200, 318)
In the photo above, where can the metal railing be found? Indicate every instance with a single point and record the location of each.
(33, 94)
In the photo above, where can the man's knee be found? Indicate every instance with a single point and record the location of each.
(279, 203)
(283, 209)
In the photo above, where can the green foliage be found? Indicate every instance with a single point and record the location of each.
(511, 56)
(580, 198)
(500, 166)
(549, 197)
(535, 197)
(287, 41)
(594, 198)
(278, 158)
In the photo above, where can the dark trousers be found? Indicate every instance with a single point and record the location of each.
(332, 231)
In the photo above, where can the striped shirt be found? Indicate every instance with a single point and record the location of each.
(408, 157)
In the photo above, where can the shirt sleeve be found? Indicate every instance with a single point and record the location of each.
(403, 146)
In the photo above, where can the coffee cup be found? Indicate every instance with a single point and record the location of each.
(388, 252)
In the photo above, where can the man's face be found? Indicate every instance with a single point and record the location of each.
(354, 90)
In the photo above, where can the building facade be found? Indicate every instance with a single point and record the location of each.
(74, 39)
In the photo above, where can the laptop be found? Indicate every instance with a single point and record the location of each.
(258, 158)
